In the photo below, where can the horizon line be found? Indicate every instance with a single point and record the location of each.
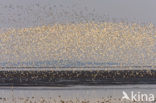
(125, 66)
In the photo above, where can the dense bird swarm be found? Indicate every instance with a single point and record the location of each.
(129, 44)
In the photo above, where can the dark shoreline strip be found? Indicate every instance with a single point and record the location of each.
(68, 78)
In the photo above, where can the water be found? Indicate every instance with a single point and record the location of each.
(77, 68)
(92, 94)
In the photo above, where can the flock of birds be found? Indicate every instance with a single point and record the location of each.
(89, 41)
(127, 44)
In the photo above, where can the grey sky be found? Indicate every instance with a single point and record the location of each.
(19, 13)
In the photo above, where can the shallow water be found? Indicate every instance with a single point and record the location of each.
(76, 94)
(77, 68)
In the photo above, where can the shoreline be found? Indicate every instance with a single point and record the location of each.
(76, 77)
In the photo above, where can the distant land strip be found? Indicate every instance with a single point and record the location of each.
(71, 78)
(135, 66)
